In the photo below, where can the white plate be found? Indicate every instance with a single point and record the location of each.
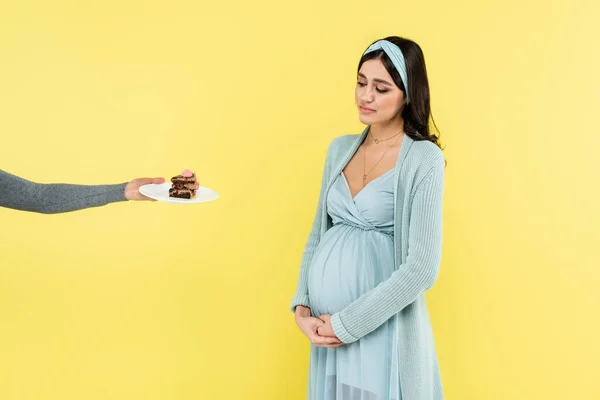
(160, 192)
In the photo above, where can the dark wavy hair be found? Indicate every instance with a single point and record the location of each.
(417, 113)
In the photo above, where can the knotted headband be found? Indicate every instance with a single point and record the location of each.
(395, 55)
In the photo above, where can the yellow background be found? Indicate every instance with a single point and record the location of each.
(157, 301)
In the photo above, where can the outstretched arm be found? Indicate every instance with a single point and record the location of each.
(21, 194)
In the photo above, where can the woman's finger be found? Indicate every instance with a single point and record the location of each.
(321, 340)
(329, 346)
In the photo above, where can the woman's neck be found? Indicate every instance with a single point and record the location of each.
(388, 129)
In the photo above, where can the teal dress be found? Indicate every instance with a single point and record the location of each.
(354, 256)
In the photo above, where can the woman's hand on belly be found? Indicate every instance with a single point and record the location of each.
(326, 329)
(309, 326)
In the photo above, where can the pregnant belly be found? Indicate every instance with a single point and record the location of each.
(348, 263)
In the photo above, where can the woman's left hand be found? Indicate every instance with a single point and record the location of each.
(327, 329)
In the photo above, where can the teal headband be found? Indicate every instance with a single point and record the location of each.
(395, 55)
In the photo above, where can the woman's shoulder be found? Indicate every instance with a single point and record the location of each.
(341, 144)
(344, 141)
(425, 154)
(423, 159)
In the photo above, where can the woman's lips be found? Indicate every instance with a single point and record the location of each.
(365, 110)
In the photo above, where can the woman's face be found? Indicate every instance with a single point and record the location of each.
(378, 98)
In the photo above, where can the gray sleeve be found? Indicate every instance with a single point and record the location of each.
(21, 194)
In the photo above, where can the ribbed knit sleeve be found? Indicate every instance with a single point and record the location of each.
(301, 297)
(21, 194)
(411, 278)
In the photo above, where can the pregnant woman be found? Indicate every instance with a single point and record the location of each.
(375, 244)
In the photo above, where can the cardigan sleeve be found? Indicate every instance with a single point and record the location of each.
(21, 194)
(410, 279)
(301, 297)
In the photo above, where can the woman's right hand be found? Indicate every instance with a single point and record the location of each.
(308, 325)
(132, 188)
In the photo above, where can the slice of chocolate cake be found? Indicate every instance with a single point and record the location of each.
(184, 186)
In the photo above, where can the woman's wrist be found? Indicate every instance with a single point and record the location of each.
(302, 312)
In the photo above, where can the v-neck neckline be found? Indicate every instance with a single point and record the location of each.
(364, 187)
(345, 157)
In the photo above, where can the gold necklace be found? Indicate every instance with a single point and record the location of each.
(377, 140)
(365, 174)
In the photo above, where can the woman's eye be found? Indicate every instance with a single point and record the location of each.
(362, 84)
